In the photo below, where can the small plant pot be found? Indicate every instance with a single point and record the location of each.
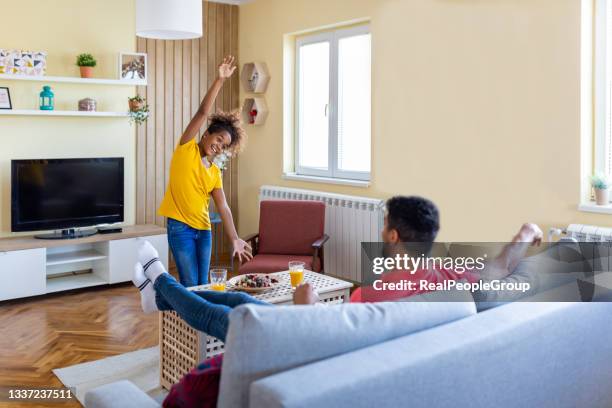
(602, 197)
(135, 106)
(86, 72)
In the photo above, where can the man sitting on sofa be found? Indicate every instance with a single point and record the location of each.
(416, 220)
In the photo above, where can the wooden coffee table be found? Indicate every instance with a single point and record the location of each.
(181, 347)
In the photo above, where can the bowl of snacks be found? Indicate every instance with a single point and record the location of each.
(253, 282)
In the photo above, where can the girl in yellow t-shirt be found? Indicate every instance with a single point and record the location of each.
(194, 178)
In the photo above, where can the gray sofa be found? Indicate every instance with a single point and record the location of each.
(409, 354)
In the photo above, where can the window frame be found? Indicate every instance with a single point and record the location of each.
(601, 92)
(333, 37)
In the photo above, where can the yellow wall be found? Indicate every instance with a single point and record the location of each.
(476, 105)
(64, 29)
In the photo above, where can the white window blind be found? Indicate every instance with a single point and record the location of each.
(333, 109)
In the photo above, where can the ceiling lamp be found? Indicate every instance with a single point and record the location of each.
(169, 19)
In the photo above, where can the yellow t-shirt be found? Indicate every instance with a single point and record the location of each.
(189, 188)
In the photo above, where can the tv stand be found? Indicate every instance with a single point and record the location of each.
(31, 267)
(71, 233)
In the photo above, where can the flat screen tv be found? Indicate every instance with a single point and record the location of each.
(63, 194)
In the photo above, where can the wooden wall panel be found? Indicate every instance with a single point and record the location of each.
(141, 155)
(150, 158)
(179, 74)
(234, 96)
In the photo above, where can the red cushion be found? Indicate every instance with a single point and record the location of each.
(290, 227)
(263, 263)
(199, 388)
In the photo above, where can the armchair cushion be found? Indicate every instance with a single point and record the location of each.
(290, 227)
(265, 263)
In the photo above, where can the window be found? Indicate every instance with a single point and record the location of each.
(333, 104)
(603, 87)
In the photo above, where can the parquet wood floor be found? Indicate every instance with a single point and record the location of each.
(42, 333)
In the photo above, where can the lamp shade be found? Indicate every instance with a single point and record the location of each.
(169, 19)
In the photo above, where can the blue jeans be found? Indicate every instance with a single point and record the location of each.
(191, 250)
(205, 310)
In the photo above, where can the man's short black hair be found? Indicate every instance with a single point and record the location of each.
(416, 219)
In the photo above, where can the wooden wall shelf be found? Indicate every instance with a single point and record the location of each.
(255, 77)
(34, 112)
(72, 80)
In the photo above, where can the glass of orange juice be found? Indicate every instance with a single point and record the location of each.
(218, 278)
(296, 273)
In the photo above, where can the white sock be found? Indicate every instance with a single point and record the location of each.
(149, 259)
(145, 286)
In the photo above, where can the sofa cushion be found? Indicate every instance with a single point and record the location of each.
(199, 387)
(290, 227)
(273, 263)
(120, 394)
(545, 355)
(262, 340)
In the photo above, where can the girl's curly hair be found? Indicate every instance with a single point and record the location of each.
(231, 122)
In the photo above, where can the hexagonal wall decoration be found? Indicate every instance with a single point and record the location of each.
(255, 77)
(254, 111)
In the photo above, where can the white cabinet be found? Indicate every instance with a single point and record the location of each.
(30, 266)
(122, 256)
(22, 273)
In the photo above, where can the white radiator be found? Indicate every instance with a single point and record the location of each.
(583, 233)
(590, 233)
(349, 221)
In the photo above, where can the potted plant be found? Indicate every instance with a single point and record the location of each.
(86, 63)
(136, 103)
(601, 185)
(139, 110)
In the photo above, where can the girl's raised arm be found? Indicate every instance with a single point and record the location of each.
(226, 69)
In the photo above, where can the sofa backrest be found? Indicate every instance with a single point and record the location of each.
(289, 227)
(264, 340)
(518, 355)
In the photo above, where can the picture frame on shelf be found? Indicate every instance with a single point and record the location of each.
(133, 66)
(23, 62)
(5, 98)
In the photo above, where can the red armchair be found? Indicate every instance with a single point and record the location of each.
(288, 231)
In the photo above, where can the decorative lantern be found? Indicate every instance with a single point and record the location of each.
(47, 98)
